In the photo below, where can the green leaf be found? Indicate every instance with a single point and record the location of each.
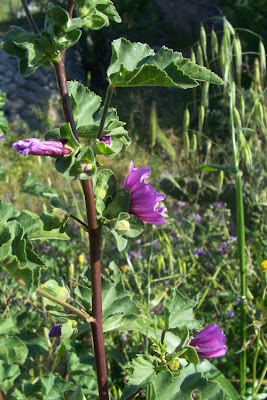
(96, 13)
(121, 241)
(119, 310)
(33, 186)
(56, 203)
(51, 226)
(120, 203)
(178, 311)
(211, 372)
(54, 387)
(136, 64)
(8, 374)
(67, 134)
(105, 185)
(125, 226)
(142, 369)
(87, 115)
(165, 386)
(214, 167)
(8, 326)
(74, 394)
(54, 289)
(84, 103)
(13, 350)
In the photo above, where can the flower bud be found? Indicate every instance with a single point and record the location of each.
(123, 226)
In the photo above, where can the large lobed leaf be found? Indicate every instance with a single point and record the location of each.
(17, 229)
(136, 64)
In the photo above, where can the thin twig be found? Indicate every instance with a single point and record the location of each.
(78, 220)
(82, 314)
(29, 17)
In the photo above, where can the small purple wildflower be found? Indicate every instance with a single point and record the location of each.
(232, 239)
(209, 342)
(181, 204)
(198, 252)
(218, 204)
(155, 243)
(231, 314)
(2, 136)
(196, 217)
(55, 331)
(135, 254)
(36, 147)
(106, 140)
(144, 198)
(223, 249)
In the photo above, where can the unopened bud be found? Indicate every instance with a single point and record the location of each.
(123, 226)
(81, 258)
(174, 365)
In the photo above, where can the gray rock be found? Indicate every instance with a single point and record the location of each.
(18, 104)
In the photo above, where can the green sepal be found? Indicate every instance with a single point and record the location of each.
(97, 13)
(136, 64)
(189, 354)
(68, 329)
(105, 150)
(121, 241)
(85, 159)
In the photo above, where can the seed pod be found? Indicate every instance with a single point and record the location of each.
(233, 91)
(205, 94)
(201, 117)
(259, 113)
(71, 271)
(192, 56)
(186, 145)
(238, 58)
(153, 125)
(248, 157)
(199, 55)
(214, 45)
(209, 145)
(194, 144)
(257, 76)
(220, 182)
(237, 119)
(242, 107)
(262, 61)
(203, 41)
(186, 120)
(242, 140)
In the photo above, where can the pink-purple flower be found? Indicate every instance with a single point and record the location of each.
(106, 140)
(144, 198)
(209, 342)
(36, 147)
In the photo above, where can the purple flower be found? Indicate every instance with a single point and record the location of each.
(196, 217)
(223, 249)
(106, 140)
(2, 136)
(181, 204)
(198, 252)
(135, 254)
(209, 342)
(218, 204)
(232, 239)
(144, 198)
(231, 314)
(55, 331)
(36, 147)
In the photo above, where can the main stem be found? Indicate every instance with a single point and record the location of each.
(242, 262)
(94, 239)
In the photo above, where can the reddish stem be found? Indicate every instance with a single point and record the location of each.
(94, 238)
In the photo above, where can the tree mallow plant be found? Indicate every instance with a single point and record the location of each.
(170, 367)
